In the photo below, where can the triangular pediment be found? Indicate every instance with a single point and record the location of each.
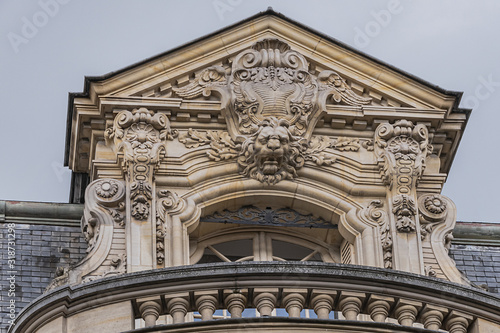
(155, 84)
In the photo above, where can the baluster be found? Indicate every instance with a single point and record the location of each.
(235, 302)
(178, 307)
(379, 307)
(150, 311)
(322, 302)
(432, 317)
(458, 322)
(406, 312)
(350, 304)
(265, 300)
(293, 301)
(206, 303)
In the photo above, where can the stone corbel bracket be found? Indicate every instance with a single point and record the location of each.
(401, 149)
(437, 215)
(103, 222)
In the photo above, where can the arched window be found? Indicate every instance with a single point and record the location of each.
(260, 244)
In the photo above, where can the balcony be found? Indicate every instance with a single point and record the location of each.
(185, 299)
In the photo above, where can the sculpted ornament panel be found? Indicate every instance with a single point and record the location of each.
(401, 149)
(108, 194)
(271, 103)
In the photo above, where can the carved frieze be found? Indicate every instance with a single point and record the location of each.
(272, 104)
(268, 216)
(272, 153)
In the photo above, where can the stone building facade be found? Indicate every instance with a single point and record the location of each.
(265, 177)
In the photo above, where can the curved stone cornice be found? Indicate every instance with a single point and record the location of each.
(72, 299)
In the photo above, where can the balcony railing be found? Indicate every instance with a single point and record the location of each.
(377, 299)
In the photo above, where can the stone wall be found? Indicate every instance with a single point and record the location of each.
(39, 250)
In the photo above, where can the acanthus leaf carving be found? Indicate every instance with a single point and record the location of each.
(346, 144)
(336, 87)
(274, 144)
(207, 80)
(315, 151)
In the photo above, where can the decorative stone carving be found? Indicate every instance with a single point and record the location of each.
(374, 212)
(272, 153)
(268, 216)
(401, 149)
(167, 201)
(432, 210)
(272, 104)
(109, 195)
(404, 209)
(141, 135)
(118, 266)
(448, 238)
(60, 278)
(429, 271)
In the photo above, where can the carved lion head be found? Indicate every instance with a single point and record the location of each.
(272, 153)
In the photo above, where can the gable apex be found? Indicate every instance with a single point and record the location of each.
(152, 83)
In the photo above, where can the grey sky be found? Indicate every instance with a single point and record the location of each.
(453, 44)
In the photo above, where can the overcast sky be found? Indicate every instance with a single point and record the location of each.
(48, 46)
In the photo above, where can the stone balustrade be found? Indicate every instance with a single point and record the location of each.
(388, 300)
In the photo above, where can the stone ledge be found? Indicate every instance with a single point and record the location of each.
(263, 324)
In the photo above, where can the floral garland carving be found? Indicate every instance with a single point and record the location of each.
(405, 210)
